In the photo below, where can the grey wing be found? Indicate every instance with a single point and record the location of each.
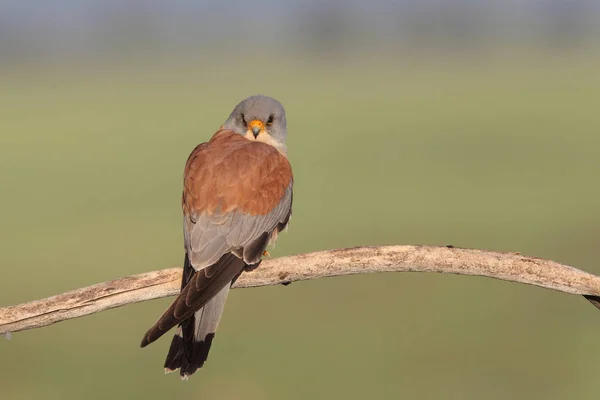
(208, 237)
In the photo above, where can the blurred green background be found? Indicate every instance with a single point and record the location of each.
(491, 146)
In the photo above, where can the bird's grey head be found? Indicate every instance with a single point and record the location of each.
(259, 118)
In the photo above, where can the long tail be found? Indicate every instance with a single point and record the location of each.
(197, 310)
(191, 343)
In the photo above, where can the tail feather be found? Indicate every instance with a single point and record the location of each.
(175, 355)
(202, 286)
(196, 312)
(191, 344)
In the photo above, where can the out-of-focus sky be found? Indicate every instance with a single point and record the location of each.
(67, 29)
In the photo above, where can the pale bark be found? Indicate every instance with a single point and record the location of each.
(512, 267)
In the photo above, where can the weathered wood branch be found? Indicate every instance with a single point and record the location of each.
(512, 267)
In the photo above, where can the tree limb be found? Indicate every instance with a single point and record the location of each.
(153, 285)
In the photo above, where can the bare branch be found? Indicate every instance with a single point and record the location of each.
(153, 285)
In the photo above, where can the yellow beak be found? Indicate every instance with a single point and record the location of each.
(256, 127)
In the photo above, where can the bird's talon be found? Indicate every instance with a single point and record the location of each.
(266, 254)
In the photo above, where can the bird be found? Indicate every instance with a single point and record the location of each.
(237, 198)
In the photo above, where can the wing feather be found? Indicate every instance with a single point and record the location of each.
(237, 196)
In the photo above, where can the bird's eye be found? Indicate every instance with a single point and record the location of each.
(243, 119)
(270, 120)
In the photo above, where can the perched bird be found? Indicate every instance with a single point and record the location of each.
(237, 197)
